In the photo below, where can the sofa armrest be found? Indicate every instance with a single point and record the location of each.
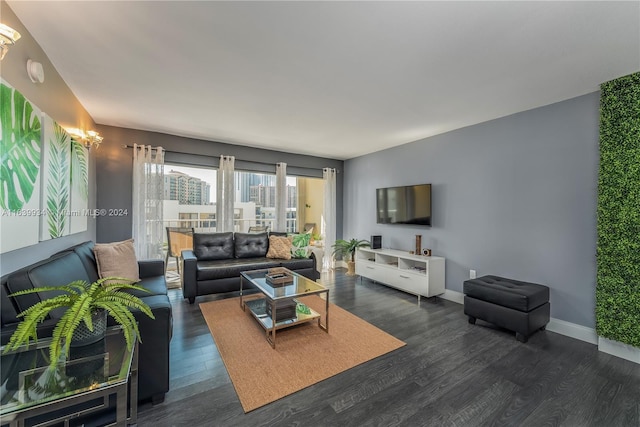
(153, 358)
(151, 268)
(189, 278)
(315, 266)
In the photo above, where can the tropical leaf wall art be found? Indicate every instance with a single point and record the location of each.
(58, 206)
(20, 169)
(21, 134)
(56, 182)
(79, 169)
(79, 187)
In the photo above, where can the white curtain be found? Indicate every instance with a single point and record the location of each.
(225, 194)
(148, 186)
(281, 197)
(329, 217)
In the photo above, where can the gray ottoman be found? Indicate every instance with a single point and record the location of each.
(518, 306)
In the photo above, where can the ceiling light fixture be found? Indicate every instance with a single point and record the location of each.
(8, 37)
(35, 71)
(90, 138)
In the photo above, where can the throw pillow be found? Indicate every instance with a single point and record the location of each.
(300, 245)
(279, 247)
(117, 259)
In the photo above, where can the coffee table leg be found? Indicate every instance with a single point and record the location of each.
(272, 341)
(241, 281)
(326, 313)
(325, 327)
(270, 333)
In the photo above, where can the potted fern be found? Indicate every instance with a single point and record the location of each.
(85, 319)
(347, 249)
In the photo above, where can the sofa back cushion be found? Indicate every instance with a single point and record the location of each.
(251, 245)
(8, 312)
(88, 259)
(212, 246)
(60, 269)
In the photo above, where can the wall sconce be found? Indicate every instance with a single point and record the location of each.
(35, 71)
(8, 37)
(89, 138)
(93, 139)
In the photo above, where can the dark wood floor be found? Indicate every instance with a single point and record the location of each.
(450, 373)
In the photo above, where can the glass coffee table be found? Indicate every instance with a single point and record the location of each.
(283, 290)
(80, 384)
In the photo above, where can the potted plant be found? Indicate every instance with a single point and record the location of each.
(347, 248)
(85, 319)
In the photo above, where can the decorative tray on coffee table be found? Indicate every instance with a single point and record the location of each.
(278, 277)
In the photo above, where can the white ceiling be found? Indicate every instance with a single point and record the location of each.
(332, 79)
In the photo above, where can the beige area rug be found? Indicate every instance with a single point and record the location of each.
(304, 354)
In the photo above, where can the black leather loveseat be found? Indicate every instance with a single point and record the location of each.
(79, 263)
(215, 263)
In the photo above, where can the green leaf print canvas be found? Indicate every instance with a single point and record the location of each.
(56, 181)
(20, 150)
(79, 187)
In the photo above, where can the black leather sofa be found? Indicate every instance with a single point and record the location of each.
(78, 263)
(215, 263)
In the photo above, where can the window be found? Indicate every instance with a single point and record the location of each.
(190, 200)
(255, 200)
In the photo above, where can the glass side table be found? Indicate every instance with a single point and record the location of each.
(90, 373)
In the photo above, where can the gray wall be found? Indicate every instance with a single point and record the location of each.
(514, 197)
(114, 169)
(54, 98)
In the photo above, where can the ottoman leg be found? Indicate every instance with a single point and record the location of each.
(472, 320)
(521, 337)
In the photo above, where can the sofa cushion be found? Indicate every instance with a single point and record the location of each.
(8, 314)
(60, 269)
(300, 245)
(251, 245)
(279, 247)
(117, 259)
(222, 269)
(298, 263)
(213, 246)
(88, 258)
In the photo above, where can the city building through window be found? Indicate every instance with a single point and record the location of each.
(190, 197)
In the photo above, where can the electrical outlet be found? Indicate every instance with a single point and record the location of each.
(472, 274)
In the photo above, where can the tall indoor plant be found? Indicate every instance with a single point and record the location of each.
(86, 308)
(347, 249)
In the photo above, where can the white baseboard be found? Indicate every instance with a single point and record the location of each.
(619, 349)
(453, 296)
(573, 330)
(558, 326)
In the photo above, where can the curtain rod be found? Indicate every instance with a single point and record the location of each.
(131, 146)
(239, 160)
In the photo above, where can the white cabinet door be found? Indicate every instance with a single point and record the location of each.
(367, 269)
(410, 282)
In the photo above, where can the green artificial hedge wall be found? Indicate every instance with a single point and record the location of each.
(618, 249)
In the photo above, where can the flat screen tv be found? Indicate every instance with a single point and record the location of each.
(409, 204)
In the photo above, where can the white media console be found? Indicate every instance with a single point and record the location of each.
(416, 274)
